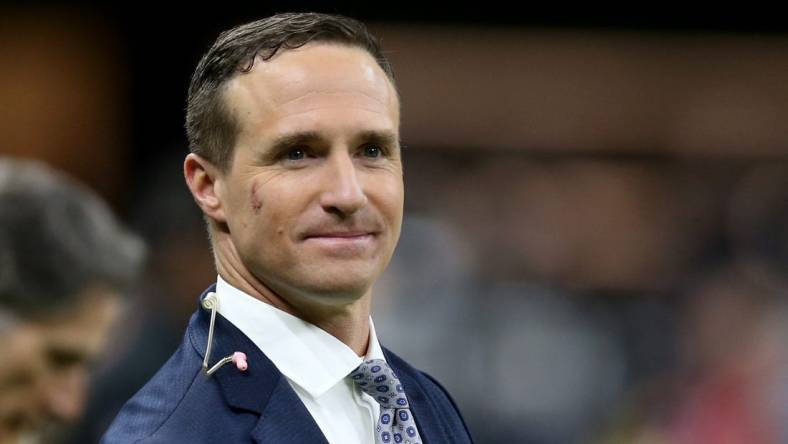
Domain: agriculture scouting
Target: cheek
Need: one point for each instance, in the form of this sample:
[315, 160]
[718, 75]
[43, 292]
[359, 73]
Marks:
[273, 207]
[391, 196]
[255, 201]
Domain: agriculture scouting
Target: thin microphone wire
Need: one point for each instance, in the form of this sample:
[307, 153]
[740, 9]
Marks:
[211, 302]
[225, 360]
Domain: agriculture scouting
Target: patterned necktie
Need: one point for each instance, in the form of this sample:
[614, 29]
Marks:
[396, 423]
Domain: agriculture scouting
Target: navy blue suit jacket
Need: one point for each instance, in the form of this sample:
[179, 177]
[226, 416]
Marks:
[183, 405]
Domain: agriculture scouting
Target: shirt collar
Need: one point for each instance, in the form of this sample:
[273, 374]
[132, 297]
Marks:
[304, 353]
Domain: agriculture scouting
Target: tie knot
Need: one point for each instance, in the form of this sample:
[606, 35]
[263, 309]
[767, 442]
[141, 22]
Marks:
[378, 380]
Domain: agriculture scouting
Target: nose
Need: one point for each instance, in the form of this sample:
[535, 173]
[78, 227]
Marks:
[65, 393]
[342, 192]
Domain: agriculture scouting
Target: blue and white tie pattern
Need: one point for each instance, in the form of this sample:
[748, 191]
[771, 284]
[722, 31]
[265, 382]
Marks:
[395, 424]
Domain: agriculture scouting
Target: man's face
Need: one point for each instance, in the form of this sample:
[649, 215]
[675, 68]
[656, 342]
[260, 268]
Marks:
[45, 363]
[313, 199]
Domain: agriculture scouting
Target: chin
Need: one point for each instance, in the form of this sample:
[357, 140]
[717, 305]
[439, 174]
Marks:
[337, 288]
[338, 276]
[338, 292]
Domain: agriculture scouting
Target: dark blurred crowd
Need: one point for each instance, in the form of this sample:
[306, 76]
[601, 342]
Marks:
[569, 298]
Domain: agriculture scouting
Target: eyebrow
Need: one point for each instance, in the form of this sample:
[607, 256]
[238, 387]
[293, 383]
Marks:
[287, 141]
[387, 138]
[66, 355]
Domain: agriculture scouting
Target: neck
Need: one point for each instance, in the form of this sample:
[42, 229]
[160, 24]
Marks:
[346, 321]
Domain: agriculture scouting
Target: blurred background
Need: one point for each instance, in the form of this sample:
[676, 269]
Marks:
[596, 217]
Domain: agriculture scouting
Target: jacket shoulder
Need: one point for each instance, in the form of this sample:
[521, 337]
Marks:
[148, 410]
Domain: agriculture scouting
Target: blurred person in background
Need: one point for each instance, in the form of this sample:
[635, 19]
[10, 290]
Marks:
[730, 383]
[733, 362]
[164, 214]
[65, 262]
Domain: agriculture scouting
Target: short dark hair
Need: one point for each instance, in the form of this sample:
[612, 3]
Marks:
[57, 238]
[210, 127]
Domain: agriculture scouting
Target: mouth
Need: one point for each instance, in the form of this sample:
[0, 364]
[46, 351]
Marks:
[348, 235]
[341, 239]
[340, 244]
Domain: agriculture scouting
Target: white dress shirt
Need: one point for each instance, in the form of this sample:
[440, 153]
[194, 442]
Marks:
[315, 363]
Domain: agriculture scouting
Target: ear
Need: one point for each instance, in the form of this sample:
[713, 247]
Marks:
[205, 181]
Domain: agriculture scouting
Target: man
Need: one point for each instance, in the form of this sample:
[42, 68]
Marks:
[293, 123]
[64, 261]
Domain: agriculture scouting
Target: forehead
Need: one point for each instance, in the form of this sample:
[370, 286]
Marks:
[84, 324]
[306, 84]
[95, 308]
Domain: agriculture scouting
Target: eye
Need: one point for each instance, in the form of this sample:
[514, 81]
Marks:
[296, 154]
[372, 151]
[17, 378]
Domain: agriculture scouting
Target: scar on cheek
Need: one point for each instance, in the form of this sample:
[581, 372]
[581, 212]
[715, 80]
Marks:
[257, 204]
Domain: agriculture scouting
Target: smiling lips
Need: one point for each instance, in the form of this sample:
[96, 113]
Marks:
[349, 235]
[354, 238]
[346, 241]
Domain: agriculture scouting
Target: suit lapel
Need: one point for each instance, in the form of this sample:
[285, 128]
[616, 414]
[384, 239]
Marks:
[285, 419]
[260, 389]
